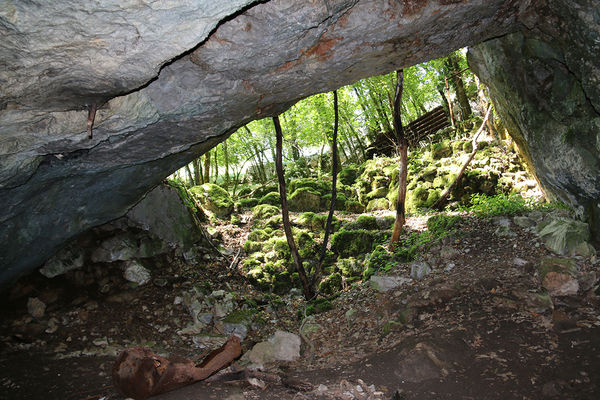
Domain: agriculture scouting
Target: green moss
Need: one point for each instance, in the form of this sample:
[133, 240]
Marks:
[354, 206]
[340, 201]
[316, 306]
[305, 199]
[213, 198]
[350, 266]
[557, 264]
[433, 196]
[248, 203]
[368, 272]
[348, 175]
[251, 247]
[258, 235]
[282, 282]
[352, 243]
[271, 198]
[263, 211]
[441, 149]
[442, 225]
[331, 284]
[308, 183]
[368, 222]
[240, 316]
[378, 204]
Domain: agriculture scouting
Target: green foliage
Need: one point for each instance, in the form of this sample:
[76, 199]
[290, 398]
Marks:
[315, 306]
[490, 206]
[258, 235]
[252, 246]
[441, 225]
[381, 259]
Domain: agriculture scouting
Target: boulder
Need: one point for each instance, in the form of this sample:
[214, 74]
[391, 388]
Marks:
[137, 273]
[214, 199]
[564, 235]
[558, 276]
[420, 269]
[385, 283]
[305, 199]
[35, 307]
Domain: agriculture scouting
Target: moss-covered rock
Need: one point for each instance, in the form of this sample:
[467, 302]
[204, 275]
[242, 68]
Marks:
[264, 211]
[248, 203]
[319, 187]
[353, 243]
[271, 198]
[348, 175]
[378, 204]
[377, 193]
[214, 199]
[305, 199]
[441, 149]
[367, 222]
[340, 201]
[350, 266]
[354, 206]
[251, 246]
[331, 284]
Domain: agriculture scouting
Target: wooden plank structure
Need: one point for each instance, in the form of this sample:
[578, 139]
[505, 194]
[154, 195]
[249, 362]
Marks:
[416, 131]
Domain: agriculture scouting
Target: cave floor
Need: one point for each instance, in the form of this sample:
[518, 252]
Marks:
[474, 330]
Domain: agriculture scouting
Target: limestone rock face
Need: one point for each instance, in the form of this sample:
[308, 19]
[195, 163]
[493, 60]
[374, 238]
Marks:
[546, 86]
[174, 79]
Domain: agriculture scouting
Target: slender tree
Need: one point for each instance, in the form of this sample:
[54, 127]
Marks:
[207, 167]
[403, 151]
[287, 228]
[334, 168]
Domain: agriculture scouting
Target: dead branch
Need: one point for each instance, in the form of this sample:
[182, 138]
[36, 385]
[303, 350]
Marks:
[444, 198]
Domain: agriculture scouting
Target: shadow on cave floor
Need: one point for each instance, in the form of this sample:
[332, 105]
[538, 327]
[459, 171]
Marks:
[477, 330]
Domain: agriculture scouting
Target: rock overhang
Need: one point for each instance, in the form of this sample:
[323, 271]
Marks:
[56, 183]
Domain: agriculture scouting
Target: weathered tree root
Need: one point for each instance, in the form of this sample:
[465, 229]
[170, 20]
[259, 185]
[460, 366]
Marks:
[140, 373]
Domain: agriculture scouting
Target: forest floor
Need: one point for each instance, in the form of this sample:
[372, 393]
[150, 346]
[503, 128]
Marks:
[475, 328]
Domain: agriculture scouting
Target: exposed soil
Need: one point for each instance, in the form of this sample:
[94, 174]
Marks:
[472, 329]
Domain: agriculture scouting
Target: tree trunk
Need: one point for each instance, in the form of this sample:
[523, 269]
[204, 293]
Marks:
[216, 165]
[226, 157]
[198, 178]
[207, 167]
[444, 197]
[189, 174]
[287, 228]
[334, 169]
[403, 150]
[459, 87]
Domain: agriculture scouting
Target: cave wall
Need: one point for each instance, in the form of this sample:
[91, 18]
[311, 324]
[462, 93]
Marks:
[545, 83]
[175, 78]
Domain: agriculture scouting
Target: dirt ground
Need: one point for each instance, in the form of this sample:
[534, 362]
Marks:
[473, 329]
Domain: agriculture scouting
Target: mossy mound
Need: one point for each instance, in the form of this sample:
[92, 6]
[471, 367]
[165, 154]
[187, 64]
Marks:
[348, 175]
[213, 199]
[271, 198]
[353, 243]
[319, 187]
[367, 222]
[305, 199]
[248, 203]
[264, 211]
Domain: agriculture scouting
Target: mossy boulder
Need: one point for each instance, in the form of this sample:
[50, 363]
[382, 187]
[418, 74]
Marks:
[350, 266]
[305, 199]
[264, 211]
[331, 284]
[441, 149]
[214, 199]
[377, 193]
[353, 243]
[417, 198]
[563, 235]
[340, 201]
[367, 222]
[251, 246]
[319, 187]
[271, 198]
[348, 175]
[378, 204]
[248, 203]
[354, 206]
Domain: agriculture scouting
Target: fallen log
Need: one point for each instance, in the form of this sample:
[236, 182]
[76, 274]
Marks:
[140, 373]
